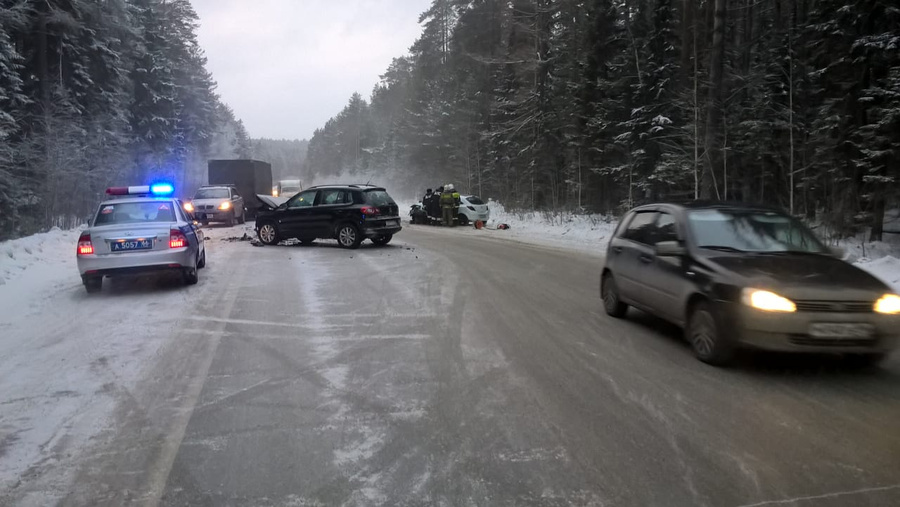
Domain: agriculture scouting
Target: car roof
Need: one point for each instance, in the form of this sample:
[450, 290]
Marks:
[353, 186]
[700, 205]
[137, 199]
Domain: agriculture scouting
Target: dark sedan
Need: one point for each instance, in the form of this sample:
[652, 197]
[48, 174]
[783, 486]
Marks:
[741, 276]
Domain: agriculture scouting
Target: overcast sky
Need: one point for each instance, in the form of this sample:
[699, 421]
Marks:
[287, 66]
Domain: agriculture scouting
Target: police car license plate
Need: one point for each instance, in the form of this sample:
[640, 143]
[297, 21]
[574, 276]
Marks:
[392, 223]
[128, 246]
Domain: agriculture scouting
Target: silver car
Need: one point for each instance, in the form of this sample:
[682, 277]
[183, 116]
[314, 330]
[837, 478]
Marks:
[217, 203]
[134, 235]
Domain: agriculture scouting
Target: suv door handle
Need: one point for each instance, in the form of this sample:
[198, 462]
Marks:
[617, 249]
[646, 259]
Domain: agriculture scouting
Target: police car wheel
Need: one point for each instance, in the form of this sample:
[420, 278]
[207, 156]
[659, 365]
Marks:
[201, 263]
[243, 218]
[92, 284]
[191, 277]
[462, 219]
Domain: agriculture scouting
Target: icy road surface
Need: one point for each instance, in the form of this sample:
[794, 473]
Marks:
[445, 369]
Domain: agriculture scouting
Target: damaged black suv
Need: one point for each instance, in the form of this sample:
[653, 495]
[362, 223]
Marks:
[347, 213]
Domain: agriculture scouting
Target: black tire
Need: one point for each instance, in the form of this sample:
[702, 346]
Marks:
[705, 337]
[348, 236]
[268, 233]
[243, 218]
[307, 241]
[201, 262]
[462, 219]
[382, 240]
[191, 276]
[232, 220]
[609, 292]
[92, 284]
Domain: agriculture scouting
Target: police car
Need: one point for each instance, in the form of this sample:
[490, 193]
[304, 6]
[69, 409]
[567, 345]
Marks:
[137, 230]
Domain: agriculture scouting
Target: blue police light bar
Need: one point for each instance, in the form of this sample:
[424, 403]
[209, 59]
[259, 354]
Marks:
[162, 189]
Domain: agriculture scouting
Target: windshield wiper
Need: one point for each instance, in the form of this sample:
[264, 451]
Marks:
[723, 248]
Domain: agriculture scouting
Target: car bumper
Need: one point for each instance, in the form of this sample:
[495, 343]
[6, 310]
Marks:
[214, 216]
[790, 332]
[381, 230]
[136, 262]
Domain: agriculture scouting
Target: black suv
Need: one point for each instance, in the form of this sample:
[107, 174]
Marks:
[348, 213]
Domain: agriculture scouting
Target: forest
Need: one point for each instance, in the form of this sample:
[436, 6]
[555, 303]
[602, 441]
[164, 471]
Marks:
[599, 105]
[98, 93]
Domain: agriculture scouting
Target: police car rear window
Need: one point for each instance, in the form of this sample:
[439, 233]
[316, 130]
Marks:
[135, 213]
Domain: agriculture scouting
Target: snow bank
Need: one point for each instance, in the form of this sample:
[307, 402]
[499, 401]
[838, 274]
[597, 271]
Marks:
[887, 269]
[55, 246]
[589, 233]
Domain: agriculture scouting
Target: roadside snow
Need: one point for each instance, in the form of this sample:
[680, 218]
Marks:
[887, 269]
[49, 247]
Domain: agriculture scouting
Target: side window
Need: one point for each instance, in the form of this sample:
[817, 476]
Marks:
[234, 193]
[332, 197]
[642, 228]
[302, 200]
[666, 229]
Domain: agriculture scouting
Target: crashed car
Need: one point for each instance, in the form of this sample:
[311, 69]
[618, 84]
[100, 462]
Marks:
[348, 213]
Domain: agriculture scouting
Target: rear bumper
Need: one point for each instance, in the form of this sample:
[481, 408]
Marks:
[790, 332]
[374, 232]
[136, 262]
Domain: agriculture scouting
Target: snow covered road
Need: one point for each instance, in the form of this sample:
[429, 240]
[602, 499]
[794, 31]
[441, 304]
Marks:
[449, 368]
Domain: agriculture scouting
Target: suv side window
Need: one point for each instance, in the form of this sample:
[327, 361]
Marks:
[234, 193]
[666, 229]
[302, 200]
[332, 196]
[642, 228]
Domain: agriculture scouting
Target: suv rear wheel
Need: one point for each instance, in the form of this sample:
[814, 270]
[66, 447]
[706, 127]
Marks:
[348, 236]
[382, 240]
[462, 219]
[268, 234]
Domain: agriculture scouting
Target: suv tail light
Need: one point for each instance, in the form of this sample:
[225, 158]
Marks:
[85, 247]
[177, 239]
[370, 210]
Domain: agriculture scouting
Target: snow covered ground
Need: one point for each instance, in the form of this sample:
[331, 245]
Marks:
[66, 358]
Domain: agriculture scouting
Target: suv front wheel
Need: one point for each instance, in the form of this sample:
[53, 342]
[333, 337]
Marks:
[268, 234]
[348, 236]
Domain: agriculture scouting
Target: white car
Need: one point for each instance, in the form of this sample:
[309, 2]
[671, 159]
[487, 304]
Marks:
[472, 209]
[143, 230]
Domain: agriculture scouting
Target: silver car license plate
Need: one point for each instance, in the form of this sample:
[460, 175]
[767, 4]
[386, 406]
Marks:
[131, 245]
[840, 330]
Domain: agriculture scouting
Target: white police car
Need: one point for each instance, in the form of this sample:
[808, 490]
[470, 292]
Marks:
[140, 230]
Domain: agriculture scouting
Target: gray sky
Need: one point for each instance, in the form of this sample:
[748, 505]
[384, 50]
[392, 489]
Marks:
[287, 66]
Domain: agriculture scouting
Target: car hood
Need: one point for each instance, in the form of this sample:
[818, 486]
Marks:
[269, 202]
[802, 276]
[209, 202]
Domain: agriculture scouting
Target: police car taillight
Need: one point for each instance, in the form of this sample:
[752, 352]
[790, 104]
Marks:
[85, 247]
[177, 239]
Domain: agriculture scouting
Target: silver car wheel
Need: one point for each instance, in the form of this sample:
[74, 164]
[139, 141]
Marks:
[702, 330]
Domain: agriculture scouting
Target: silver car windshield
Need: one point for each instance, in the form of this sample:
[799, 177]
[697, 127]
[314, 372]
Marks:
[751, 231]
[212, 193]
